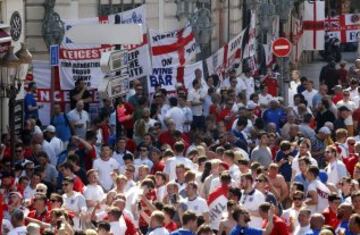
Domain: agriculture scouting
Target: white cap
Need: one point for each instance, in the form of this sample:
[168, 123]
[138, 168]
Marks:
[50, 128]
[251, 105]
[325, 130]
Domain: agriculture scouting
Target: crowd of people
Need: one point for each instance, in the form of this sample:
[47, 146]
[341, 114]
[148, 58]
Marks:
[224, 157]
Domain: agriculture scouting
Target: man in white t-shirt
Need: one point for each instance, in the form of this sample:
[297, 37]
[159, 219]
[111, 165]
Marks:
[194, 202]
[105, 166]
[251, 198]
[79, 119]
[265, 97]
[309, 93]
[73, 201]
[291, 215]
[335, 168]
[175, 113]
[304, 222]
[157, 223]
[196, 98]
[249, 82]
[93, 192]
[317, 193]
[18, 223]
[55, 142]
[171, 163]
[234, 171]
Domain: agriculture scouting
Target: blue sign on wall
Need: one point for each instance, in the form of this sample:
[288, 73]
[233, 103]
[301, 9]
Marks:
[54, 55]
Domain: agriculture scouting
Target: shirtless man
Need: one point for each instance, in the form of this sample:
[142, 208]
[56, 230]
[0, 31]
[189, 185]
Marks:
[277, 183]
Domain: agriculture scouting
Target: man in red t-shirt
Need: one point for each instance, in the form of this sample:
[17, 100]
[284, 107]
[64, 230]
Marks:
[66, 170]
[280, 227]
[351, 161]
[146, 198]
[159, 164]
[330, 212]
[40, 211]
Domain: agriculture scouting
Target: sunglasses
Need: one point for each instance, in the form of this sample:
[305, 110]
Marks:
[18, 151]
[65, 184]
[53, 200]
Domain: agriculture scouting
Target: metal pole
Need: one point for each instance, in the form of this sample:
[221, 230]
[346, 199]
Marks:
[285, 79]
[12, 100]
[52, 90]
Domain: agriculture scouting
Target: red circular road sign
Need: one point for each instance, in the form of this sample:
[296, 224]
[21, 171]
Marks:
[281, 47]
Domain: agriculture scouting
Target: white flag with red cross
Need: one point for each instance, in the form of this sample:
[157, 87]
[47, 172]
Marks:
[314, 25]
[296, 39]
[175, 48]
[217, 202]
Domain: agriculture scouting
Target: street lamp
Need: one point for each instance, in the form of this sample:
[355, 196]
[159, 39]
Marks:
[13, 70]
[10, 88]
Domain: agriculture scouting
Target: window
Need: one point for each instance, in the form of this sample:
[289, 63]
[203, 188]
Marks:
[107, 9]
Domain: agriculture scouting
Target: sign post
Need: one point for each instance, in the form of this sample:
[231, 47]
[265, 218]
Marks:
[281, 48]
[54, 61]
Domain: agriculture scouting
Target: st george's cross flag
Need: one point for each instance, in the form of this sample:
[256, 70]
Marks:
[175, 48]
[217, 201]
[314, 25]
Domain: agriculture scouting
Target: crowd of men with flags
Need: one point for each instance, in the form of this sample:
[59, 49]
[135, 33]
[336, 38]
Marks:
[185, 152]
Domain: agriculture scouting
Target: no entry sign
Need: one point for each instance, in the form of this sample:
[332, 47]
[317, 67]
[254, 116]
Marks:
[281, 47]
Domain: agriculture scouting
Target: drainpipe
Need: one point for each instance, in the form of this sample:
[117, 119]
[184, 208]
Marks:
[229, 22]
[74, 9]
[220, 7]
[161, 15]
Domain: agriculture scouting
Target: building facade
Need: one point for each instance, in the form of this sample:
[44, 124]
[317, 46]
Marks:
[162, 15]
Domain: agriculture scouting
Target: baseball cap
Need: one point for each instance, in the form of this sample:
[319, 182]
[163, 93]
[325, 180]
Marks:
[343, 108]
[325, 130]
[337, 87]
[50, 128]
[16, 194]
[251, 106]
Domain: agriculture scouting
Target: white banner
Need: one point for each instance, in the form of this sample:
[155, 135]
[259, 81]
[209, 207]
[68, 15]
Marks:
[216, 63]
[82, 62]
[250, 48]
[168, 77]
[164, 77]
[189, 75]
[234, 50]
[139, 62]
[314, 25]
[175, 48]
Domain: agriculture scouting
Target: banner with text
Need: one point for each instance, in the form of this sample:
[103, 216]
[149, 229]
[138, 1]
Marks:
[175, 48]
[344, 27]
[82, 62]
[42, 75]
[168, 77]
[227, 56]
